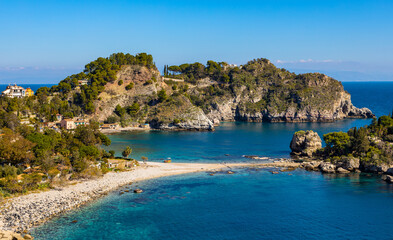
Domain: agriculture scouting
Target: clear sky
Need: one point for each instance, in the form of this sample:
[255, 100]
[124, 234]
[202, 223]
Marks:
[44, 41]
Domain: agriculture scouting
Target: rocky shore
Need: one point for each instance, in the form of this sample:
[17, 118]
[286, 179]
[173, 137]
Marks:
[9, 235]
[21, 213]
[305, 145]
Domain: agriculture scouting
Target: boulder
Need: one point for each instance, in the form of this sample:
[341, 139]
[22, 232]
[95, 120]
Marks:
[27, 236]
[342, 170]
[375, 167]
[327, 167]
[388, 178]
[348, 163]
[8, 235]
[138, 190]
[311, 166]
[389, 171]
[305, 143]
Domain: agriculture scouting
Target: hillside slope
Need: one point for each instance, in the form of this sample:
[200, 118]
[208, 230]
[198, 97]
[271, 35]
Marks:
[130, 90]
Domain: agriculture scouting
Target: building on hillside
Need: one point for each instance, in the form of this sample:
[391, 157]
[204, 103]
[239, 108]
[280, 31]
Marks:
[29, 92]
[80, 122]
[109, 126]
[14, 91]
[67, 124]
[83, 82]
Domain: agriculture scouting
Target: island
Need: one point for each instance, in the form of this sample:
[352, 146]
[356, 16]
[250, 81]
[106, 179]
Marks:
[365, 149]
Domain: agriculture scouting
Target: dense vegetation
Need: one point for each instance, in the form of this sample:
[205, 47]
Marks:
[276, 89]
[49, 154]
[372, 144]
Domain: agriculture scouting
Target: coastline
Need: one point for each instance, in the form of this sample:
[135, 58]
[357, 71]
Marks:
[21, 213]
[124, 129]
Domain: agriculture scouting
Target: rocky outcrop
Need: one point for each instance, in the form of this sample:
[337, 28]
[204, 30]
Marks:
[196, 121]
[8, 235]
[311, 166]
[342, 170]
[321, 99]
[327, 167]
[348, 163]
[374, 167]
[305, 143]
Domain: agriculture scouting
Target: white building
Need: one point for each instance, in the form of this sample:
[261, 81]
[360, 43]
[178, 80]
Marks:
[14, 91]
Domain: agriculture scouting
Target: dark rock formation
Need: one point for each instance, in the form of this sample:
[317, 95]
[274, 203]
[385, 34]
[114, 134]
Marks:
[327, 167]
[305, 143]
[348, 163]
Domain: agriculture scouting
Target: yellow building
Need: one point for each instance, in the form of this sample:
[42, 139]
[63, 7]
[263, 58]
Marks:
[29, 92]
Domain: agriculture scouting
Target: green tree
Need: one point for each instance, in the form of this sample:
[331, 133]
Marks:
[359, 140]
[133, 109]
[112, 153]
[337, 143]
[162, 95]
[126, 152]
[120, 111]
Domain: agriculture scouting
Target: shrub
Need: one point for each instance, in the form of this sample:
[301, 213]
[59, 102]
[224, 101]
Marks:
[120, 82]
[148, 82]
[162, 95]
[130, 86]
[8, 171]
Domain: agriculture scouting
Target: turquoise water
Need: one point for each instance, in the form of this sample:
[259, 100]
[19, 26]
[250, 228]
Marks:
[238, 139]
[235, 139]
[248, 204]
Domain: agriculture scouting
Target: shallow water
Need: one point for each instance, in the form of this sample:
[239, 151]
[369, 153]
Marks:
[246, 205]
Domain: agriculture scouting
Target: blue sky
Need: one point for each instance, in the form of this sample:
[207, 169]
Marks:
[44, 41]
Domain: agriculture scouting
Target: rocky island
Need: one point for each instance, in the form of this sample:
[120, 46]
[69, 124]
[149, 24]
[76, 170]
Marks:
[366, 149]
[130, 90]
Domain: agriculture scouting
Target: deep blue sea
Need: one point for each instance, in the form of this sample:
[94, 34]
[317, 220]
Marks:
[250, 204]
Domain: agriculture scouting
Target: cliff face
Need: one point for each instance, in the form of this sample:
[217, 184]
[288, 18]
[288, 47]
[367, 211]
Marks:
[257, 92]
[310, 98]
[340, 107]
[176, 113]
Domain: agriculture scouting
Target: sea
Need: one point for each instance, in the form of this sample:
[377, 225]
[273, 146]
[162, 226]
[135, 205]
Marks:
[250, 204]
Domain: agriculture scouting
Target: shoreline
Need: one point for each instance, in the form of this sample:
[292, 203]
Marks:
[21, 213]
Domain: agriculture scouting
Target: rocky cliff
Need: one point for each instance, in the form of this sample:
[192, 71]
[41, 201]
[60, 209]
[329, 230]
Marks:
[176, 112]
[132, 91]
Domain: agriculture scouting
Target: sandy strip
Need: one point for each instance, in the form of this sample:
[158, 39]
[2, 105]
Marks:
[23, 212]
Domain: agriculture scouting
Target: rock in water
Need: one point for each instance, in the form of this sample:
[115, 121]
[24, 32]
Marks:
[138, 190]
[349, 163]
[342, 170]
[305, 143]
[327, 167]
